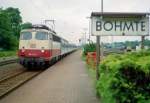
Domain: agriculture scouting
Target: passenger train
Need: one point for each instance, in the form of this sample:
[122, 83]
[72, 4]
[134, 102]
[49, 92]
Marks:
[40, 46]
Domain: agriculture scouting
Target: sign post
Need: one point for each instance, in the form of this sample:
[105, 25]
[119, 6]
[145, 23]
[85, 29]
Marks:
[98, 48]
[97, 56]
[142, 42]
[117, 24]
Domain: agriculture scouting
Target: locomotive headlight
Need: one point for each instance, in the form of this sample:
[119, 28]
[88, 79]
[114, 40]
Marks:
[23, 49]
[42, 50]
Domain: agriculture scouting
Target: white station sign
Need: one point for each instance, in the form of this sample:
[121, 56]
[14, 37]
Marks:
[118, 26]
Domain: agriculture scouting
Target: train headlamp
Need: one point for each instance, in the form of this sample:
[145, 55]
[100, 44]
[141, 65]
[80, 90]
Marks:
[23, 49]
[42, 50]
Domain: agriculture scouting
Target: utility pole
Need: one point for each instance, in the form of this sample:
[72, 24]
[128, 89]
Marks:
[85, 29]
[89, 32]
[98, 48]
[89, 29]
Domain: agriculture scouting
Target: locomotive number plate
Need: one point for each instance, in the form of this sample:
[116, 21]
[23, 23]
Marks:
[33, 46]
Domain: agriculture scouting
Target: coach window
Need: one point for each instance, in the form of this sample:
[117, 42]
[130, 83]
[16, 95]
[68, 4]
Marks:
[26, 36]
[41, 36]
[56, 38]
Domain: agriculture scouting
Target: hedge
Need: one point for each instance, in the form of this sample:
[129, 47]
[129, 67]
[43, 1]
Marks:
[125, 78]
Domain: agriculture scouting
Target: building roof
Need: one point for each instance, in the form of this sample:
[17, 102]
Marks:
[120, 14]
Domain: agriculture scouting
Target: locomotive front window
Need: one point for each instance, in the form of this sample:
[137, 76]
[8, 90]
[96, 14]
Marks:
[26, 36]
[41, 36]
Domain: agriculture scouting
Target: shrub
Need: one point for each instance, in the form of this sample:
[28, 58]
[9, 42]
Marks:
[89, 48]
[125, 78]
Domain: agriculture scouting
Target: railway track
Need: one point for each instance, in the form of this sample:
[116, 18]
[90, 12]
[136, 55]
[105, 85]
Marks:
[5, 62]
[12, 82]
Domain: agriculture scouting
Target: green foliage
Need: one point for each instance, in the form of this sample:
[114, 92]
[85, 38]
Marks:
[16, 20]
[125, 78]
[7, 53]
[7, 39]
[26, 25]
[89, 48]
[147, 42]
[10, 21]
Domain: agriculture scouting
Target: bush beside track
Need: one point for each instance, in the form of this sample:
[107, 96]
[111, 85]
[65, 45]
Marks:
[7, 53]
[125, 78]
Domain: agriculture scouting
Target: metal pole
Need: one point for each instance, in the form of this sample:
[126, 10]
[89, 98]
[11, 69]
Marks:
[89, 31]
[142, 42]
[97, 56]
[85, 29]
[85, 37]
[98, 49]
[101, 44]
[102, 6]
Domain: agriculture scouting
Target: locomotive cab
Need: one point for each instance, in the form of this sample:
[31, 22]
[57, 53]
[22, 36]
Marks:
[35, 47]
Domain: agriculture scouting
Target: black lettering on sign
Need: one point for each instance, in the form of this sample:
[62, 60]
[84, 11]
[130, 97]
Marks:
[121, 25]
[136, 25]
[143, 26]
[98, 26]
[118, 25]
[108, 26]
[128, 26]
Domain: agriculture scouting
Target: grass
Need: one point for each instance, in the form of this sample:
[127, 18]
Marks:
[8, 53]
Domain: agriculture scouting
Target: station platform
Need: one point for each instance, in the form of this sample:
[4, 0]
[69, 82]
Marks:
[67, 81]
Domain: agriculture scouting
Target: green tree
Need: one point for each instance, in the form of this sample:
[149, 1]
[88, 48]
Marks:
[26, 25]
[147, 42]
[7, 39]
[16, 20]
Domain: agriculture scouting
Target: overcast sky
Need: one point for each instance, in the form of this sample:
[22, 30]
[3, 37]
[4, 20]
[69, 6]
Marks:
[70, 15]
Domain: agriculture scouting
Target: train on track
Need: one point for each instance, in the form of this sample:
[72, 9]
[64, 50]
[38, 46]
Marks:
[39, 46]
